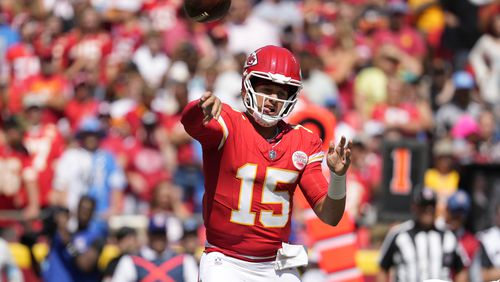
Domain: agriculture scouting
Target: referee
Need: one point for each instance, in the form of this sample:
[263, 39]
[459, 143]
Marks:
[416, 250]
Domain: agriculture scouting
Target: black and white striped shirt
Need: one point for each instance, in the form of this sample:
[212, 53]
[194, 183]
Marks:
[489, 240]
[417, 254]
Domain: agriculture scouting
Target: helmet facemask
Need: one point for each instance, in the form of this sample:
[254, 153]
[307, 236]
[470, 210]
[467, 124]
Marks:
[250, 97]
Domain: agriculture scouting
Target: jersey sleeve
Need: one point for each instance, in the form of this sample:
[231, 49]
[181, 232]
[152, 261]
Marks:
[485, 259]
[312, 182]
[211, 135]
[460, 260]
[388, 250]
[190, 268]
[125, 271]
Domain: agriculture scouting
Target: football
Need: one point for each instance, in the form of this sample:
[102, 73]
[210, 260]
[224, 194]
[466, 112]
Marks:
[206, 10]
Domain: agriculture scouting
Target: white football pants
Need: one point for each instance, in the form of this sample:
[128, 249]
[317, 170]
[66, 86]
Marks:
[217, 267]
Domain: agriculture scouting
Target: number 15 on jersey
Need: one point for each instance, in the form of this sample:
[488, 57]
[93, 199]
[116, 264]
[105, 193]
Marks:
[244, 215]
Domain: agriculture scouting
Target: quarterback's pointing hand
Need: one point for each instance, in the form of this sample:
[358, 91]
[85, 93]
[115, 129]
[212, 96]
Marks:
[211, 106]
[339, 158]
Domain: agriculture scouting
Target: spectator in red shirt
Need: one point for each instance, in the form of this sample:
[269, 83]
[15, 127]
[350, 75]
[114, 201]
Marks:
[146, 167]
[360, 180]
[399, 32]
[18, 186]
[93, 45]
[48, 43]
[21, 56]
[160, 14]
[52, 88]
[127, 35]
[45, 144]
[81, 105]
[399, 116]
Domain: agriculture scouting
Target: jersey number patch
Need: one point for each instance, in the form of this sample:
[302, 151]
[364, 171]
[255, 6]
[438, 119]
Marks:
[243, 215]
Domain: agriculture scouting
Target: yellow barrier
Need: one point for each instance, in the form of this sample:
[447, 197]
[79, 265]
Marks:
[366, 260]
[108, 253]
[21, 255]
[40, 251]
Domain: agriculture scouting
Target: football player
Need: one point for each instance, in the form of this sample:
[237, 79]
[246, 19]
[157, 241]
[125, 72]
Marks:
[253, 162]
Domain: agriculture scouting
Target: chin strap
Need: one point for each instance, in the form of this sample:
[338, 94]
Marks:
[262, 121]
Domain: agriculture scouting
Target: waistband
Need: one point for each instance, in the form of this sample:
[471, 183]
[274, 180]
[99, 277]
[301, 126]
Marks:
[212, 248]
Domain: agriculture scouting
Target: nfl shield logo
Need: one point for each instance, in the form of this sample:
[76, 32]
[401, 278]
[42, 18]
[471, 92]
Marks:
[272, 154]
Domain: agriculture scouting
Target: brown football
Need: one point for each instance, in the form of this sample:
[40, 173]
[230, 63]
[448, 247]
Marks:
[206, 10]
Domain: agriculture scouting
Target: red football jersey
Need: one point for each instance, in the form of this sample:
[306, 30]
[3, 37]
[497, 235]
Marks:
[186, 154]
[76, 111]
[250, 182]
[161, 13]
[126, 39]
[23, 61]
[148, 163]
[91, 47]
[45, 144]
[16, 169]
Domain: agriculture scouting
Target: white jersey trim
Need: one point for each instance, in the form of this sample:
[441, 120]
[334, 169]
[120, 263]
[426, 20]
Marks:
[318, 157]
[225, 132]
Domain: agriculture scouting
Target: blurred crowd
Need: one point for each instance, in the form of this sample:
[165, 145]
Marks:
[92, 91]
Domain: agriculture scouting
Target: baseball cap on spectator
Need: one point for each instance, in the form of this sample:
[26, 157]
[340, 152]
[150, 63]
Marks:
[373, 128]
[459, 202]
[443, 147]
[424, 197]
[190, 227]
[371, 18]
[124, 232]
[90, 125]
[149, 119]
[464, 127]
[83, 241]
[131, 6]
[179, 72]
[397, 7]
[81, 79]
[158, 224]
[372, 14]
[12, 122]
[463, 80]
[104, 109]
[33, 101]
